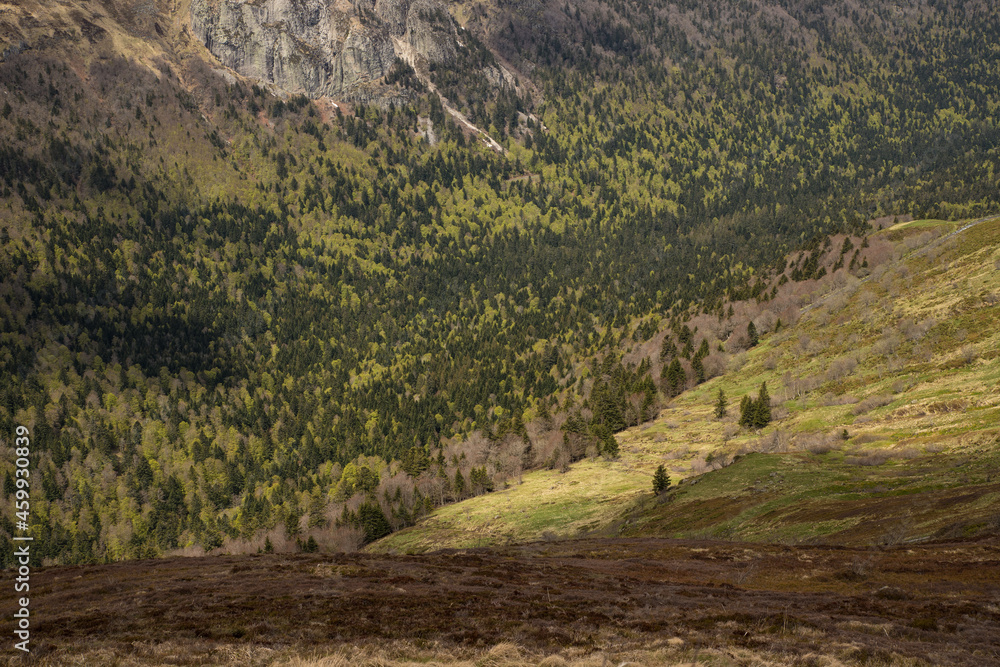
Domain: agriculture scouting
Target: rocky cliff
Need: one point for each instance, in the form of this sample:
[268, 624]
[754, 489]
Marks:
[325, 47]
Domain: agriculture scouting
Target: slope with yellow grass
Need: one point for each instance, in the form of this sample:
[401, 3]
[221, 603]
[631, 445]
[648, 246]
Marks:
[886, 430]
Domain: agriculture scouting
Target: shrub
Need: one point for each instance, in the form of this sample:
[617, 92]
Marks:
[829, 399]
[902, 384]
[818, 443]
[969, 354]
[870, 458]
[872, 402]
[771, 362]
[840, 368]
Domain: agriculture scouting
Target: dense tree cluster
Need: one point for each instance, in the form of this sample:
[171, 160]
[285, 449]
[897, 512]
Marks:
[755, 412]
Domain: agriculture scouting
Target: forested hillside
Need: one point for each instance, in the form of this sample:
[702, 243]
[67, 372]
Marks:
[217, 299]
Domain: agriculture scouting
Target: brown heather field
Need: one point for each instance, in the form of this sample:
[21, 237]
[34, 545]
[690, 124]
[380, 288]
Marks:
[581, 602]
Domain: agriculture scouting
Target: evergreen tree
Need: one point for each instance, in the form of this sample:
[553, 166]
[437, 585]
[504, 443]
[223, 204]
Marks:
[762, 408]
[459, 485]
[720, 404]
[674, 378]
[609, 445]
[372, 521]
[292, 522]
[661, 482]
[668, 350]
[747, 408]
[752, 336]
[698, 369]
[480, 480]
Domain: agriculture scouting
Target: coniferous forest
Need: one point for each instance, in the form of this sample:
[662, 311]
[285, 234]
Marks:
[228, 313]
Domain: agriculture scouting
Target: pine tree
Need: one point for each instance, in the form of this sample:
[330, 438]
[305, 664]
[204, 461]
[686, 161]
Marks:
[544, 414]
[752, 334]
[669, 349]
[372, 521]
[762, 408]
[609, 445]
[459, 485]
[720, 404]
[292, 522]
[698, 369]
[747, 411]
[661, 482]
[674, 378]
[480, 480]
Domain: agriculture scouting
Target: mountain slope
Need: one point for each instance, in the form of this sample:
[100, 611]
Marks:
[886, 430]
[234, 316]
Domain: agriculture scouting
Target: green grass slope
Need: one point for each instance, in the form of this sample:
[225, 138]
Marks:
[886, 429]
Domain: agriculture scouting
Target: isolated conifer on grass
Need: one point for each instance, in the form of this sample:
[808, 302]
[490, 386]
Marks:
[721, 402]
[661, 482]
[752, 334]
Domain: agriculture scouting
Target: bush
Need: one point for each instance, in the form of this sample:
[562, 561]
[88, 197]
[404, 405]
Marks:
[969, 354]
[840, 368]
[870, 458]
[872, 402]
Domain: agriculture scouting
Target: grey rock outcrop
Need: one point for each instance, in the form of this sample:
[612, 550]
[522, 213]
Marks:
[323, 47]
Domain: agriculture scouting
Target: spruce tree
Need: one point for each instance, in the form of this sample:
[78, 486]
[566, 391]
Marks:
[752, 334]
[675, 378]
[661, 482]
[747, 409]
[698, 369]
[720, 404]
[372, 521]
[609, 445]
[762, 408]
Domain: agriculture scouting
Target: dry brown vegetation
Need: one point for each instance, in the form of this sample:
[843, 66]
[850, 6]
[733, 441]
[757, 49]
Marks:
[589, 602]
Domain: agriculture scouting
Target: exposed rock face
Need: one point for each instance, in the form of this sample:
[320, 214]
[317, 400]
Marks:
[323, 47]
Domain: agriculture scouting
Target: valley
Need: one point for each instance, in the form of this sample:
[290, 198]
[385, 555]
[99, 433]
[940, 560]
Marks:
[587, 333]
